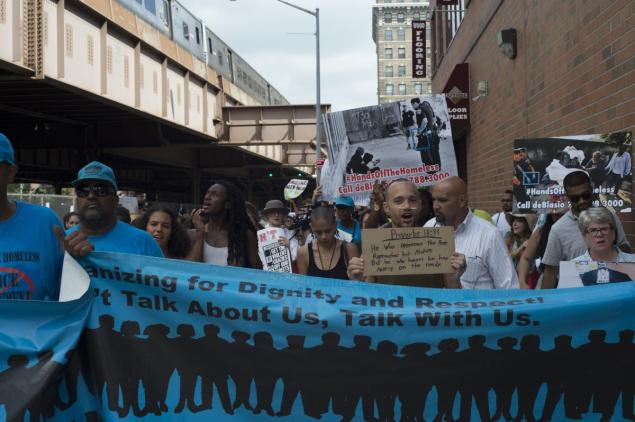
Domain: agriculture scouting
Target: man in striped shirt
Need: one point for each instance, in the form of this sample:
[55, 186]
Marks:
[488, 263]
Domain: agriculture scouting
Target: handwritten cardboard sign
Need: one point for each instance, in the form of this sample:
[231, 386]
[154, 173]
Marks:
[401, 251]
[274, 256]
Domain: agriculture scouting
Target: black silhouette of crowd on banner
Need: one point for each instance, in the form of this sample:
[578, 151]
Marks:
[327, 378]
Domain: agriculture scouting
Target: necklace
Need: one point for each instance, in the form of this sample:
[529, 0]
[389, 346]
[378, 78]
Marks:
[330, 260]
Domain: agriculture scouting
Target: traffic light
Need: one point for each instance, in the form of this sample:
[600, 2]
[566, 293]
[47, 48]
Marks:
[270, 174]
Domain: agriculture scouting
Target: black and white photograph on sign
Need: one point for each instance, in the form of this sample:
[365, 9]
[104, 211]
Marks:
[540, 165]
[591, 273]
[407, 139]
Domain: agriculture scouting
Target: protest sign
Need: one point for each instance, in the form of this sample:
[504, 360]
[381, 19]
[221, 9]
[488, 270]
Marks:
[591, 273]
[295, 188]
[274, 256]
[175, 340]
[414, 250]
[407, 139]
[540, 165]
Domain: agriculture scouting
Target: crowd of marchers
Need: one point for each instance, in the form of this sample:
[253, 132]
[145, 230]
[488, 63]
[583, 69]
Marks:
[503, 251]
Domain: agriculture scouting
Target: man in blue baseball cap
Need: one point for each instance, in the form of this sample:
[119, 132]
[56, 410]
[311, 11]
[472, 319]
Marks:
[31, 257]
[99, 229]
[344, 208]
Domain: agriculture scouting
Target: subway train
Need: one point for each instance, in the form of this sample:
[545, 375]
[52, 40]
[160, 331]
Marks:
[178, 23]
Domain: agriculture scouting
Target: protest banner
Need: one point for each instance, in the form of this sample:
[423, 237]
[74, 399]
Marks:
[176, 340]
[590, 273]
[540, 166]
[407, 139]
[414, 250]
[274, 256]
[294, 188]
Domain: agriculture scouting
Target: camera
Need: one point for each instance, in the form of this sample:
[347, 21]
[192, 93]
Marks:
[299, 222]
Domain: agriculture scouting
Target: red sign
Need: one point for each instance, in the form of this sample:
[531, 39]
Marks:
[319, 163]
[457, 96]
[418, 49]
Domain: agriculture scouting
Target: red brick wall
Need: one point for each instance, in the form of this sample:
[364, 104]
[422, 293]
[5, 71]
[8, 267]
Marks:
[574, 73]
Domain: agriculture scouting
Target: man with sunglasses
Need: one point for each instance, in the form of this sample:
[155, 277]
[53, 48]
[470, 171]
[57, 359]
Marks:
[30, 255]
[565, 240]
[99, 228]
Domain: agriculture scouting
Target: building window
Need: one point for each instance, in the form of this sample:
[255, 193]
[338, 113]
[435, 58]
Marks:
[402, 89]
[164, 13]
[387, 17]
[388, 35]
[389, 53]
[401, 53]
[401, 34]
[389, 89]
[418, 88]
[401, 18]
[401, 71]
[388, 71]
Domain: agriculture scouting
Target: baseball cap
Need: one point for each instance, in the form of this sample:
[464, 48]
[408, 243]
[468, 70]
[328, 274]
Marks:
[96, 171]
[345, 201]
[6, 150]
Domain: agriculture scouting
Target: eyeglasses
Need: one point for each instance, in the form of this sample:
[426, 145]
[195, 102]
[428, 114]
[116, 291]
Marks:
[599, 231]
[99, 190]
[576, 198]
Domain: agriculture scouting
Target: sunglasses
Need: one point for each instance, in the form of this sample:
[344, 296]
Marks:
[576, 198]
[99, 190]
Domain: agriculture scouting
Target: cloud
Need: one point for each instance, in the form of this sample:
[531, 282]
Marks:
[277, 41]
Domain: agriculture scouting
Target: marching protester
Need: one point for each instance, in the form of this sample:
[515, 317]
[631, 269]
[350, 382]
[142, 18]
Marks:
[402, 205]
[344, 209]
[332, 253]
[530, 266]
[70, 219]
[488, 263]
[500, 218]
[224, 235]
[275, 215]
[522, 227]
[161, 222]
[426, 206]
[123, 214]
[99, 228]
[565, 240]
[28, 246]
[597, 226]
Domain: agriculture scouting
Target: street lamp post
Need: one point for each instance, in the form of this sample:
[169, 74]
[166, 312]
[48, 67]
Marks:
[318, 108]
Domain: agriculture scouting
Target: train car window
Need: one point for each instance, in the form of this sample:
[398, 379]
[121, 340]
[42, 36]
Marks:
[209, 45]
[186, 31]
[198, 35]
[164, 13]
[151, 6]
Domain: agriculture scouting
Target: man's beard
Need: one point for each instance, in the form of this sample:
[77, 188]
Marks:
[94, 218]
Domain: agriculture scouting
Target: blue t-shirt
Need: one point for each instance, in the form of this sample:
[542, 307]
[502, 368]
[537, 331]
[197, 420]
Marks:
[356, 231]
[125, 239]
[31, 256]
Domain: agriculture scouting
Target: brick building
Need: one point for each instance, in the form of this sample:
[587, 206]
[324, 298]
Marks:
[574, 73]
[392, 33]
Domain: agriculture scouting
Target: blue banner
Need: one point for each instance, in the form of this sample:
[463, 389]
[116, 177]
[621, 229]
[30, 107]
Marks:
[174, 340]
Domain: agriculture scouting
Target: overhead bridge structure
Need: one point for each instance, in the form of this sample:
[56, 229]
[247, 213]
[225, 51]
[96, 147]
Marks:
[88, 79]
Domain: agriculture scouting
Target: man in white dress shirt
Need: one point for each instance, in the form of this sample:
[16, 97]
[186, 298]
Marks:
[488, 263]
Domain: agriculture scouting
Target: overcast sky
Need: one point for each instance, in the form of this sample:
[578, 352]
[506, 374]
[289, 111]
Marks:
[264, 32]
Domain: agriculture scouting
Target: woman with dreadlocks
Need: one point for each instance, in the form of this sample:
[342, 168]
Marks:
[224, 233]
